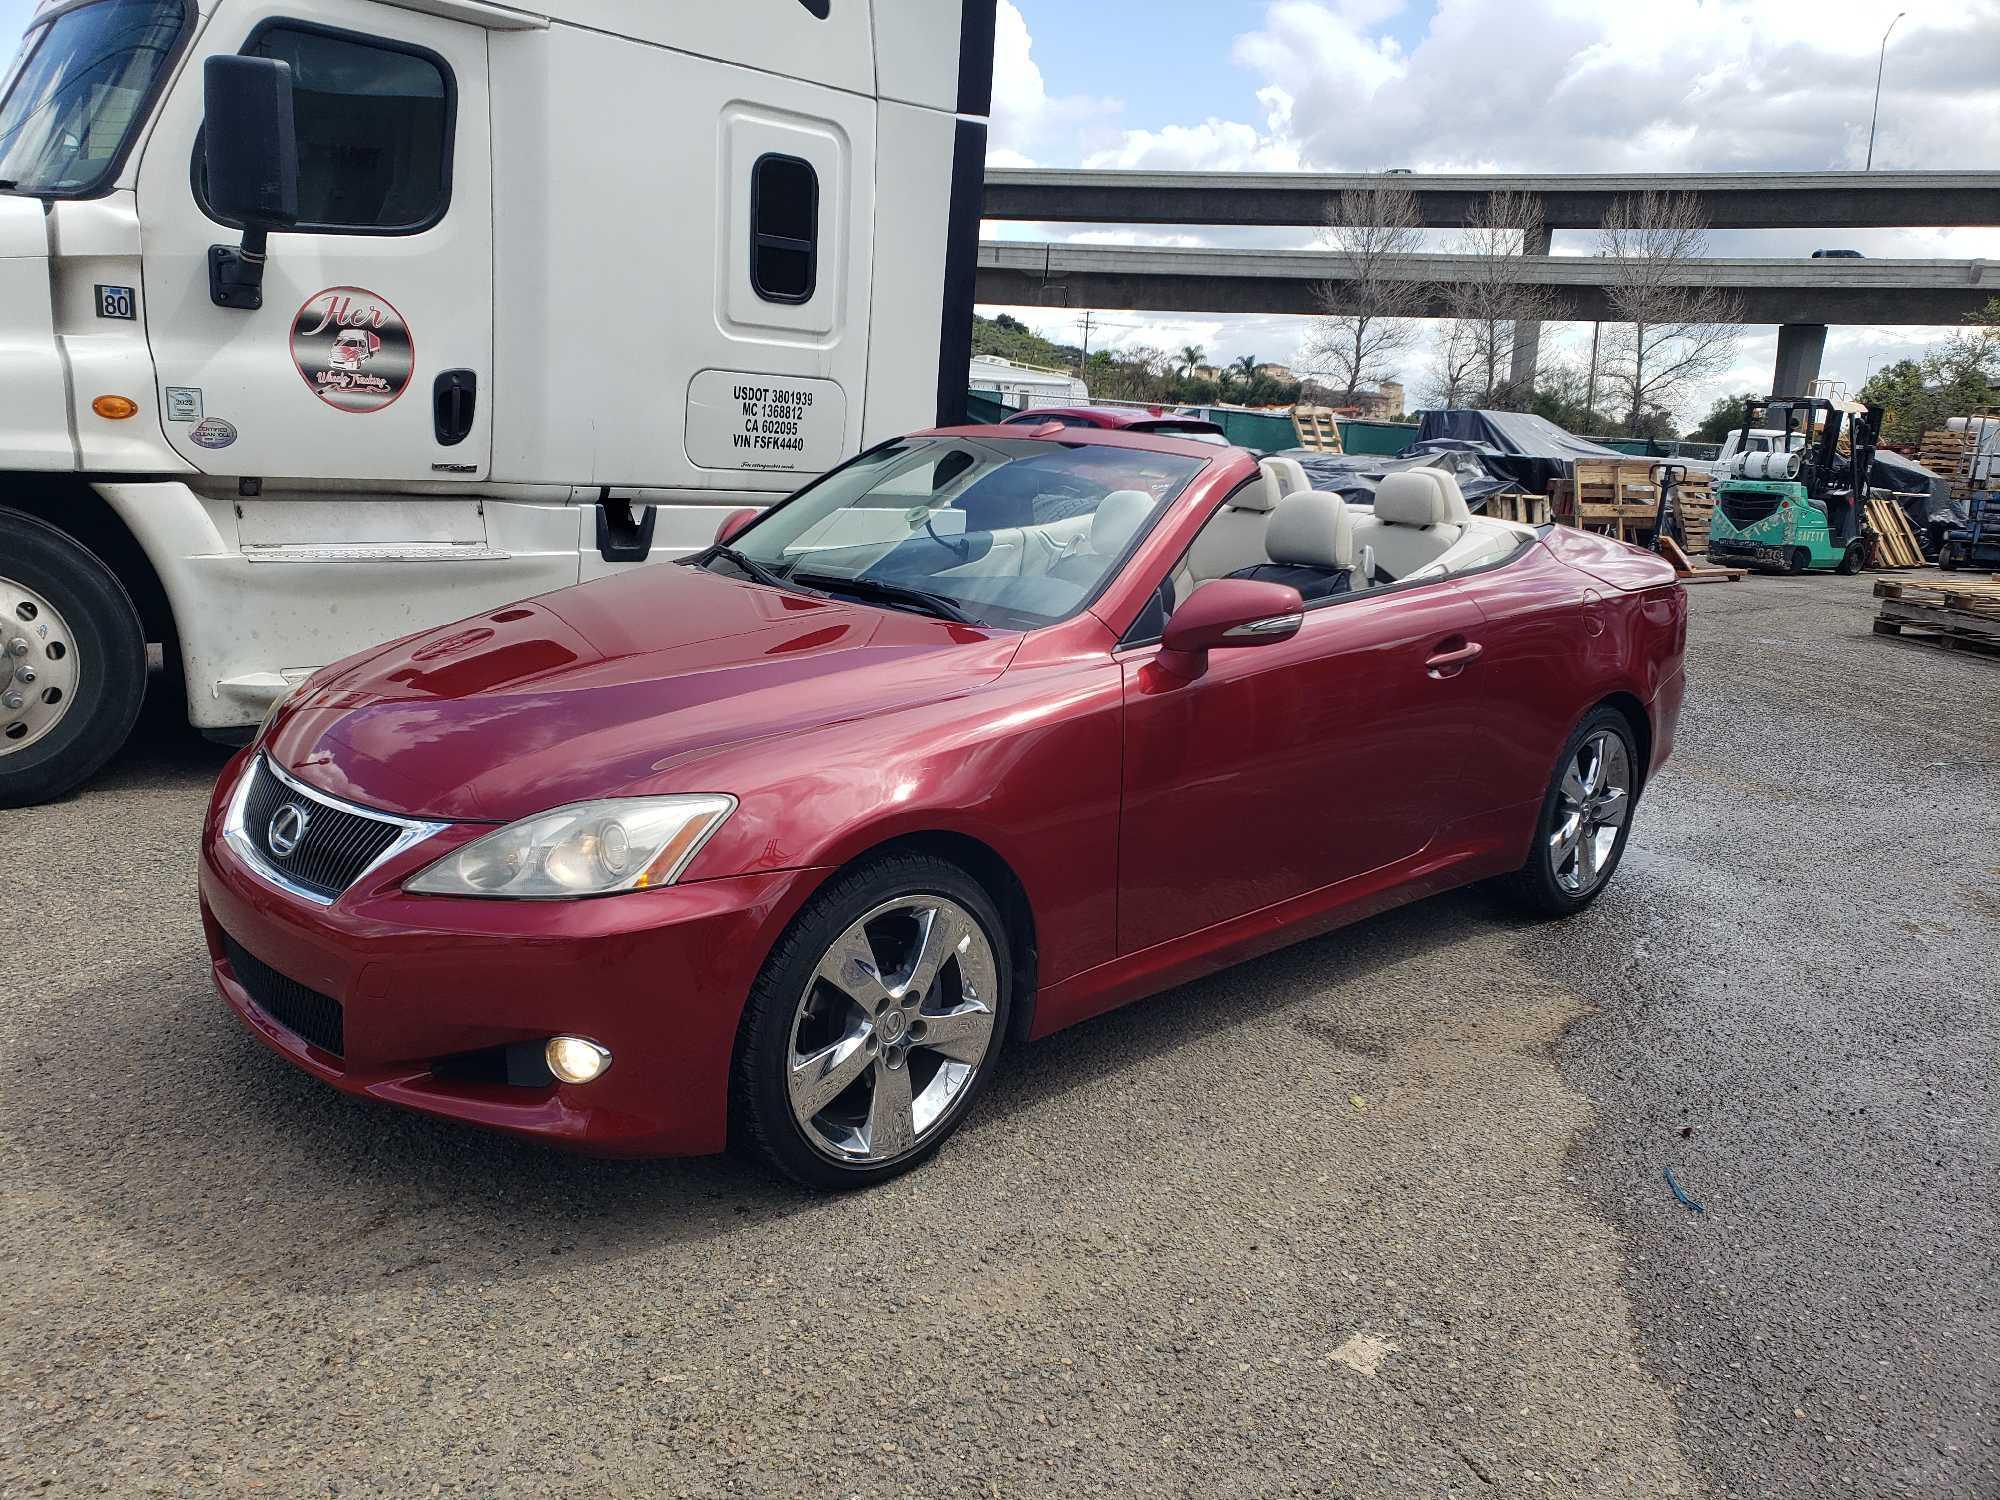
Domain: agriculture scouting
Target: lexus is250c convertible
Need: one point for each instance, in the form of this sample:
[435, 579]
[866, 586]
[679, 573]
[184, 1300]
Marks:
[981, 734]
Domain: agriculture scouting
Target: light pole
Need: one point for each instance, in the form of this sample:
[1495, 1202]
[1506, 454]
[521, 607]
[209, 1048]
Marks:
[1875, 113]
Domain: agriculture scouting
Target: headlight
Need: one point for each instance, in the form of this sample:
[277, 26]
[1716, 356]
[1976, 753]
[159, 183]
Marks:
[586, 849]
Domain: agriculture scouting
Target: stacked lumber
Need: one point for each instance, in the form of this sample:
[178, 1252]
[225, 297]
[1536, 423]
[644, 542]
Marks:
[1957, 616]
[1947, 454]
[1614, 496]
[1529, 510]
[1895, 540]
[1318, 428]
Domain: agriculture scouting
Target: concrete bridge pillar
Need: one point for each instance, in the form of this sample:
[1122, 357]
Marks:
[1527, 334]
[1800, 346]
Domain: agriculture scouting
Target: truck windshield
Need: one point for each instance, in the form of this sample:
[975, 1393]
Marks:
[80, 84]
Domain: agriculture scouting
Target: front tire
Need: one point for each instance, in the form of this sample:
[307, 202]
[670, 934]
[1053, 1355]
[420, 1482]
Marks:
[1852, 560]
[72, 662]
[873, 1025]
[1585, 819]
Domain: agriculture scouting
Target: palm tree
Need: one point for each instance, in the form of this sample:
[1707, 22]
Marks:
[1191, 355]
[1245, 368]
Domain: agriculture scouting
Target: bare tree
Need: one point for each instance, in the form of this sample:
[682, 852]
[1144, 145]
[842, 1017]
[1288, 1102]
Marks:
[1490, 306]
[1673, 325]
[1453, 376]
[1369, 326]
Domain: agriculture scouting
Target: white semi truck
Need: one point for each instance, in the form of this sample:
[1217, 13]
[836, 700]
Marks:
[322, 321]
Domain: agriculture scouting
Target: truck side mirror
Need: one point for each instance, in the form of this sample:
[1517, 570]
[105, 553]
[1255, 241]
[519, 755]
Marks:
[252, 156]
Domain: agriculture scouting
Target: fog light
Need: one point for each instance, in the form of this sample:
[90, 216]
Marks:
[574, 1059]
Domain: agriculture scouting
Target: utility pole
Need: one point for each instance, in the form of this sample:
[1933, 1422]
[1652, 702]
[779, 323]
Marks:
[1086, 345]
[1875, 113]
[1590, 386]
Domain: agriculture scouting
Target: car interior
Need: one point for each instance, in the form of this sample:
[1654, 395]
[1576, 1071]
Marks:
[1035, 539]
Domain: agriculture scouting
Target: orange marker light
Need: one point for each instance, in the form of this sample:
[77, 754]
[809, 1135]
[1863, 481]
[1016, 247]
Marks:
[115, 408]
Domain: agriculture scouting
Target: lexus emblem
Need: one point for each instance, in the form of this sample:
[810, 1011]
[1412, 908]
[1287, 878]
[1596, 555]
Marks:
[288, 826]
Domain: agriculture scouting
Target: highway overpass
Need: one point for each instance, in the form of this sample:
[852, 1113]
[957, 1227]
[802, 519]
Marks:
[1731, 200]
[1802, 296]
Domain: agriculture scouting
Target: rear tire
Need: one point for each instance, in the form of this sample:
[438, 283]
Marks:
[1576, 847]
[67, 620]
[1797, 561]
[1947, 558]
[874, 1024]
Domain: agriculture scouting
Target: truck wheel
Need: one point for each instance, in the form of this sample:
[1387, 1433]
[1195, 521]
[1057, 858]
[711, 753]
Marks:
[72, 662]
[1797, 560]
[1852, 559]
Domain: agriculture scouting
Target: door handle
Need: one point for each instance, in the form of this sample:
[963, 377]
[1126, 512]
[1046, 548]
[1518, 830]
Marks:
[1450, 663]
[454, 398]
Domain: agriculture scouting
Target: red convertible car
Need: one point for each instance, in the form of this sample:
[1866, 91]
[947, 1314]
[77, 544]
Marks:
[975, 737]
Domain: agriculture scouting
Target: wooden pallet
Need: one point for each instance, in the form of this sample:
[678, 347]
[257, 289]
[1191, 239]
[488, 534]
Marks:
[1695, 497]
[1961, 615]
[1896, 543]
[1614, 496]
[1948, 455]
[1529, 510]
[1973, 597]
[1685, 569]
[1965, 643]
[1318, 428]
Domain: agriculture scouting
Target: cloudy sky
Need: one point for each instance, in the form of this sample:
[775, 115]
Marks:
[1490, 85]
[1498, 85]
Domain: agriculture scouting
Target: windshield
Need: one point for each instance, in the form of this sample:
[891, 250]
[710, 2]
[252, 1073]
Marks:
[1007, 532]
[80, 84]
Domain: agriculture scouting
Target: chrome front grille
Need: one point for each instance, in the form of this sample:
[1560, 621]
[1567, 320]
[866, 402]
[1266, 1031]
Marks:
[313, 845]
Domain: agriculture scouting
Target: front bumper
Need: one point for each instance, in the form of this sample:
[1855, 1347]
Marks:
[1724, 549]
[658, 977]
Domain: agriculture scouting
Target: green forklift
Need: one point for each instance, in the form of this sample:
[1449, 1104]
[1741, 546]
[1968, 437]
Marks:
[1787, 500]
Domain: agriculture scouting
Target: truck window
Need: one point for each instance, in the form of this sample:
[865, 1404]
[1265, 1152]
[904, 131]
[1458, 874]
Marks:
[784, 228]
[82, 83]
[374, 123]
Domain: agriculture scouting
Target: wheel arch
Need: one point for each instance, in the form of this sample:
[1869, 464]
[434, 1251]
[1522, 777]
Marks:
[74, 507]
[1639, 721]
[998, 878]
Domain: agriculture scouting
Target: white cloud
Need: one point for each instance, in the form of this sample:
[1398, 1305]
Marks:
[1024, 112]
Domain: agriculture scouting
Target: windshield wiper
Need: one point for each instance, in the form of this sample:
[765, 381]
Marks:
[941, 605]
[749, 566]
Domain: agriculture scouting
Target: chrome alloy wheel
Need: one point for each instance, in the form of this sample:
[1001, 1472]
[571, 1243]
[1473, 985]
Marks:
[38, 666]
[895, 1022]
[1591, 807]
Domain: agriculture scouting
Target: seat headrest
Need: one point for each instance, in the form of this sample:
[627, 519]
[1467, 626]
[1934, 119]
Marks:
[1420, 497]
[1279, 477]
[1119, 516]
[1310, 529]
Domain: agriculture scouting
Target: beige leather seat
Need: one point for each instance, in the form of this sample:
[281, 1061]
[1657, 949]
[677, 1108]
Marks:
[1310, 539]
[1233, 539]
[1419, 514]
[1118, 518]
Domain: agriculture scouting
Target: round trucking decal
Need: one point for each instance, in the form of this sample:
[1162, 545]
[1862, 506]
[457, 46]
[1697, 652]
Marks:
[352, 348]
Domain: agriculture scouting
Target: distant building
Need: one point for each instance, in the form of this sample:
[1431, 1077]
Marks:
[1205, 372]
[1383, 404]
[1277, 372]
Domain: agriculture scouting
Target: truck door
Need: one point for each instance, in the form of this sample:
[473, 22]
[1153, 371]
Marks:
[371, 357]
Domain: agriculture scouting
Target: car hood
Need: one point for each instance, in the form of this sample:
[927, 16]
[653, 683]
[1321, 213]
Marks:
[602, 689]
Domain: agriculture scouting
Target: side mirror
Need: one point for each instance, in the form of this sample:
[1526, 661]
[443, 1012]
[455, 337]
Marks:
[733, 525]
[252, 156]
[1229, 612]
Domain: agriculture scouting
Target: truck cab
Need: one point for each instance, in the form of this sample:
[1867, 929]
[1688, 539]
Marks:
[324, 321]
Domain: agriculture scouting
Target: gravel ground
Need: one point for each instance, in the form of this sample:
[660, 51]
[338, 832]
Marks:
[1381, 1215]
